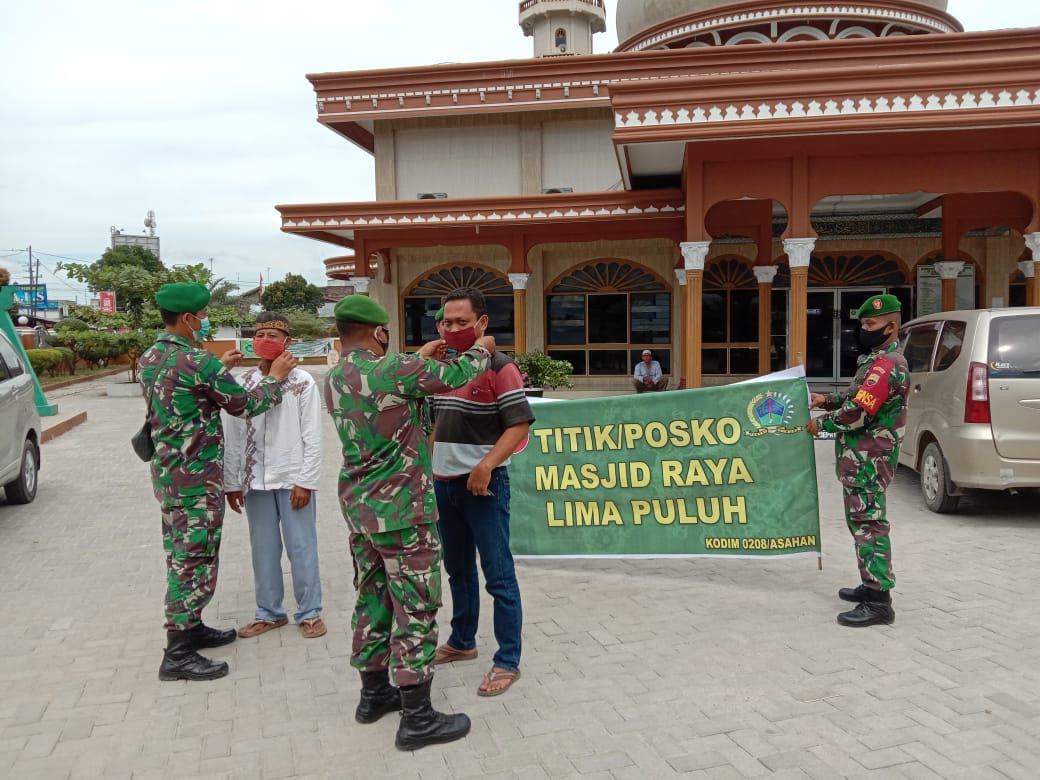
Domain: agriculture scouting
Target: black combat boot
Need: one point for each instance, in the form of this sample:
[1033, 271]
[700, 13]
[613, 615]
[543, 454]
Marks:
[856, 595]
[204, 636]
[422, 725]
[181, 662]
[378, 697]
[875, 610]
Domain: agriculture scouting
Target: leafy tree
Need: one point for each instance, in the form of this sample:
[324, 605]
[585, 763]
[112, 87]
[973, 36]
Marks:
[134, 284]
[229, 316]
[306, 326]
[98, 347]
[134, 344]
[294, 292]
[129, 255]
[67, 334]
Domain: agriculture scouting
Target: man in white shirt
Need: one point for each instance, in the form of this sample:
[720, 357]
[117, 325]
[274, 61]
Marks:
[647, 375]
[272, 463]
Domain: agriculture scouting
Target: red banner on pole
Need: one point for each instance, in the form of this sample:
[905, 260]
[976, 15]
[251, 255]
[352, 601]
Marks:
[108, 302]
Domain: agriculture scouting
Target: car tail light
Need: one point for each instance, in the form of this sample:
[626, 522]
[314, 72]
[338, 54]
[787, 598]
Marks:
[976, 398]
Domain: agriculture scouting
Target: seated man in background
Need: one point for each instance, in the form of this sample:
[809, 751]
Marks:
[647, 375]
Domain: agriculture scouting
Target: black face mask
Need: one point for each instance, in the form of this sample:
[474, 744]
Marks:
[872, 339]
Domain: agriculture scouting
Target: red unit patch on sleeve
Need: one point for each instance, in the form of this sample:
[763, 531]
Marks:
[874, 390]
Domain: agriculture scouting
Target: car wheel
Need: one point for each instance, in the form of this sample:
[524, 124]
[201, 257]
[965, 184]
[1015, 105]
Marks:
[22, 489]
[935, 481]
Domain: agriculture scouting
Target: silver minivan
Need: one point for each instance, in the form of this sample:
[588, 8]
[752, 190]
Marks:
[19, 427]
[973, 414]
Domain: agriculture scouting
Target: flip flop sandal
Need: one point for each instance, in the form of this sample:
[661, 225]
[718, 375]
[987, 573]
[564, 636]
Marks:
[258, 627]
[312, 628]
[447, 654]
[494, 676]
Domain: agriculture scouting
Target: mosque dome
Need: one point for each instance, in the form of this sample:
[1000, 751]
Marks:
[643, 24]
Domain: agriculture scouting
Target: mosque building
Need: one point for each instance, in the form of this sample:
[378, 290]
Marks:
[725, 188]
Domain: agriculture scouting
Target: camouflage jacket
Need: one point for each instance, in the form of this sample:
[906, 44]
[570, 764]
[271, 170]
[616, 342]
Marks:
[870, 416]
[379, 408]
[191, 387]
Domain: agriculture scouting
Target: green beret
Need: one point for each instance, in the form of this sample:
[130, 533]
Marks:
[361, 308]
[439, 315]
[879, 304]
[181, 297]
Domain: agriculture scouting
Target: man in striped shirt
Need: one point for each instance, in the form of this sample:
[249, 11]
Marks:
[477, 428]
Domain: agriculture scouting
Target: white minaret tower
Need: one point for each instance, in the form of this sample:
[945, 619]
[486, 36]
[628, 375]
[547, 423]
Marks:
[562, 27]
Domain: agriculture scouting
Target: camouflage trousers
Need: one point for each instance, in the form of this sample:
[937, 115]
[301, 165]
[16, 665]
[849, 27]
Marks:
[865, 515]
[191, 539]
[397, 576]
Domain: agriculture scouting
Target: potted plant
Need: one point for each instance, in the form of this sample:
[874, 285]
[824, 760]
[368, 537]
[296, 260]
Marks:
[541, 371]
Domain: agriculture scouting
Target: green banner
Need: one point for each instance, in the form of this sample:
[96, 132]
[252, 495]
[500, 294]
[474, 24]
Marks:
[714, 471]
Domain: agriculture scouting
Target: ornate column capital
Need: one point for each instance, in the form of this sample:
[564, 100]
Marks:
[1033, 242]
[694, 254]
[949, 269]
[360, 284]
[799, 251]
[680, 274]
[1028, 268]
[764, 273]
[519, 281]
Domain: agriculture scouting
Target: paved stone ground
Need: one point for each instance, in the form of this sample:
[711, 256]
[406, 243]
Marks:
[638, 669]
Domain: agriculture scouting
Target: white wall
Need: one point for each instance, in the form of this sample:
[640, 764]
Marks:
[579, 154]
[461, 161]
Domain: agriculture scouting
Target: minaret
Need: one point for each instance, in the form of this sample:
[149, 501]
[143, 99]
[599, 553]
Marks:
[562, 27]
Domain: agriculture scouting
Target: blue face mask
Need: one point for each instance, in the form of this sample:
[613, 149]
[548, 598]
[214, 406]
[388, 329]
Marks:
[204, 329]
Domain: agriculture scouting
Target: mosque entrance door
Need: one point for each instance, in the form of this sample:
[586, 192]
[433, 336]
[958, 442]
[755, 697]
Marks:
[833, 345]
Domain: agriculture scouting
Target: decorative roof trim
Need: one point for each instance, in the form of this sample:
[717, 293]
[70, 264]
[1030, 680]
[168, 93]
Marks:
[767, 15]
[404, 217]
[810, 108]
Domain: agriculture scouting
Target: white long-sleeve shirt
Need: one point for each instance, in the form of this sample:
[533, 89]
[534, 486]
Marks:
[279, 448]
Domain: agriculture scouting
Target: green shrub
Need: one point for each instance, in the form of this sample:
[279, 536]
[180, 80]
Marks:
[68, 360]
[540, 370]
[44, 360]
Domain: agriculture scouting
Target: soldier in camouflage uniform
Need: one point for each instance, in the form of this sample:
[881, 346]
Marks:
[186, 388]
[377, 401]
[869, 419]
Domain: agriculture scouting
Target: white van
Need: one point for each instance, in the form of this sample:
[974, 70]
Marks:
[19, 426]
[973, 413]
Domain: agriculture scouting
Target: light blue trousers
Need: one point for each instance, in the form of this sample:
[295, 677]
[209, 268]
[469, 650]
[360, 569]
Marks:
[272, 520]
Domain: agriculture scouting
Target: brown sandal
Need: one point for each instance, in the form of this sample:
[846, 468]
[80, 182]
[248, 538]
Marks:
[312, 628]
[258, 627]
[446, 654]
[510, 676]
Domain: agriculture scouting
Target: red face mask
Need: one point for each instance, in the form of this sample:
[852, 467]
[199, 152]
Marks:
[460, 340]
[267, 349]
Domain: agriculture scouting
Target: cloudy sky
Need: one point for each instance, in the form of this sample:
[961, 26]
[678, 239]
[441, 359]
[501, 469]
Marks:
[201, 112]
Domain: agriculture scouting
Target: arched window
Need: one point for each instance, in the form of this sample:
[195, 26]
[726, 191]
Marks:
[561, 38]
[601, 316]
[866, 270]
[729, 317]
[423, 300]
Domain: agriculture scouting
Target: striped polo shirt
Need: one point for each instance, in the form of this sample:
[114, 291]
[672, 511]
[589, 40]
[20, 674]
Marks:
[470, 420]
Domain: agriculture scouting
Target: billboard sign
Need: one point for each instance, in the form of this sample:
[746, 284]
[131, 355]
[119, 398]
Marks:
[108, 302]
[31, 295]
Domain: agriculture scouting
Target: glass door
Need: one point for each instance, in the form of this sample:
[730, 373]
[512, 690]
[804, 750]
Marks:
[833, 344]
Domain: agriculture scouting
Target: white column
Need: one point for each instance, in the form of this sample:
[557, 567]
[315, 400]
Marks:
[519, 281]
[1033, 242]
[361, 284]
[694, 254]
[949, 269]
[765, 273]
[799, 254]
[799, 251]
[1027, 267]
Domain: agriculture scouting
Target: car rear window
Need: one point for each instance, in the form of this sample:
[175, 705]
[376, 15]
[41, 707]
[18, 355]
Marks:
[1014, 347]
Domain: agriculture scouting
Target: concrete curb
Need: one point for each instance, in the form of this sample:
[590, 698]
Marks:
[66, 425]
[81, 379]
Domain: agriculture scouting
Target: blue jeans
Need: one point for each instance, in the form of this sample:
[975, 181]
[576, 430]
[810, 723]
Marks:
[272, 519]
[470, 525]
